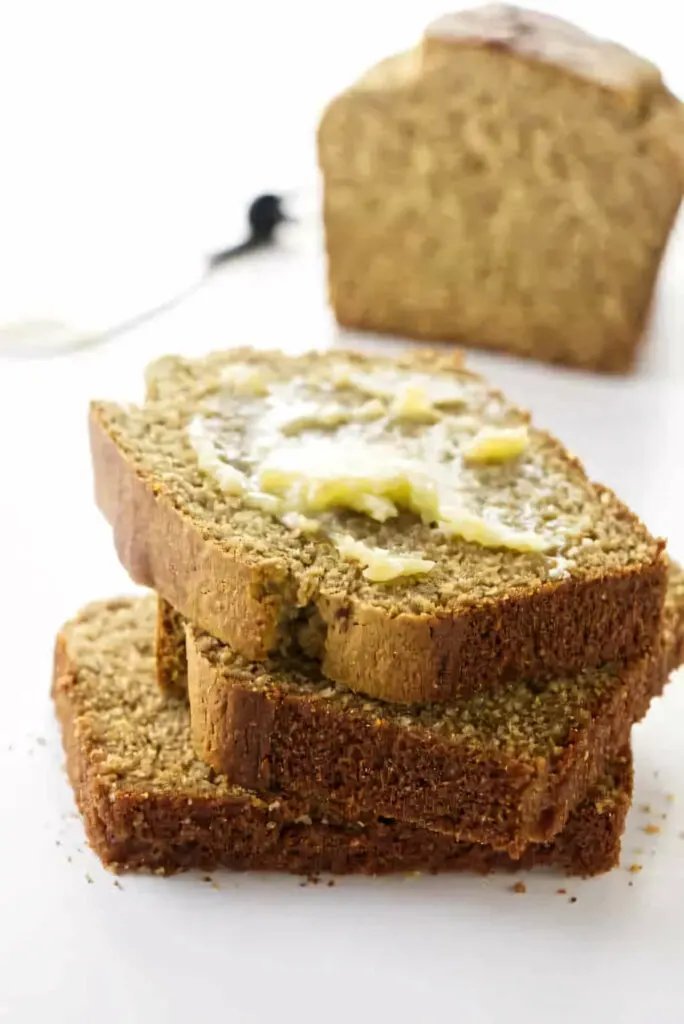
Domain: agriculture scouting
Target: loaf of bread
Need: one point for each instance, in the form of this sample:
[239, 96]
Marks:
[504, 769]
[148, 803]
[398, 521]
[509, 184]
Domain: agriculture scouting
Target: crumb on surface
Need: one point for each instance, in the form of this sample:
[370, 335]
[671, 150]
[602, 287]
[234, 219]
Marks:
[89, 879]
[651, 829]
[117, 884]
[670, 797]
[573, 899]
[645, 808]
[519, 887]
[561, 892]
[630, 883]
[331, 882]
[635, 868]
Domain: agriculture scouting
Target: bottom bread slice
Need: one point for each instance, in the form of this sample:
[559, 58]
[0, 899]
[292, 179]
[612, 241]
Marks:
[149, 803]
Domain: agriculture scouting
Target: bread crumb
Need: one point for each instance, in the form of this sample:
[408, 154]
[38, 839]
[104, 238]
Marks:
[638, 850]
[634, 868]
[561, 892]
[573, 899]
[670, 797]
[89, 879]
[118, 885]
[645, 808]
[651, 829]
[207, 878]
[331, 883]
[630, 883]
[520, 887]
[215, 885]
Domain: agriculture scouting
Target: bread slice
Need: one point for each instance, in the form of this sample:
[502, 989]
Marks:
[267, 581]
[504, 769]
[509, 184]
[149, 803]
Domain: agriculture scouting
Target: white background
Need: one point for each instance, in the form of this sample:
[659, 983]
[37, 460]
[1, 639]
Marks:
[132, 135]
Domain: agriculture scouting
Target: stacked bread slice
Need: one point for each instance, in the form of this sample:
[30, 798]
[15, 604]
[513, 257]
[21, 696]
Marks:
[395, 627]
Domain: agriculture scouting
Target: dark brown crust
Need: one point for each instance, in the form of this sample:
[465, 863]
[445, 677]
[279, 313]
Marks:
[557, 630]
[269, 737]
[168, 832]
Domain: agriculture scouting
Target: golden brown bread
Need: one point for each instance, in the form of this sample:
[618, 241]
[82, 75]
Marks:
[149, 803]
[504, 769]
[509, 184]
[481, 616]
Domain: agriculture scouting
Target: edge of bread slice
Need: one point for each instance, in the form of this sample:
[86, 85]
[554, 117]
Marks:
[504, 769]
[148, 803]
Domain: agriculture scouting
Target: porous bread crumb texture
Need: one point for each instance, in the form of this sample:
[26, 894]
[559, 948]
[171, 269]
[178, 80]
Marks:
[510, 184]
[481, 616]
[504, 769]
[170, 658]
[149, 804]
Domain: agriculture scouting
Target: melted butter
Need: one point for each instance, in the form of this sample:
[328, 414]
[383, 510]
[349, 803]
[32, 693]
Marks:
[381, 565]
[369, 478]
[496, 444]
[296, 521]
[228, 477]
[413, 404]
[446, 449]
[437, 391]
[479, 530]
[243, 379]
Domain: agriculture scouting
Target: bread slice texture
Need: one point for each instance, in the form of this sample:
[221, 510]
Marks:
[481, 615]
[148, 803]
[511, 184]
[503, 769]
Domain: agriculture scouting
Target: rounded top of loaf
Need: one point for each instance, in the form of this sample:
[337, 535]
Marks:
[546, 39]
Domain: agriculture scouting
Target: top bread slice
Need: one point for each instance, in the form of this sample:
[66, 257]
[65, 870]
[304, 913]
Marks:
[510, 183]
[588, 587]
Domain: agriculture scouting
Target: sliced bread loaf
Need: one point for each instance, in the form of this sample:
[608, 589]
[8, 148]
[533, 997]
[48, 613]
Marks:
[509, 184]
[399, 521]
[148, 803]
[504, 769]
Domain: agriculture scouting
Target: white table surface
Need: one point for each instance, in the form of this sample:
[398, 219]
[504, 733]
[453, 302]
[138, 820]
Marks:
[75, 947]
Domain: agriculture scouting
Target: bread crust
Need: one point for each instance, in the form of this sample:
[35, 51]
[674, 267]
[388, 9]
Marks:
[167, 829]
[560, 628]
[266, 736]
